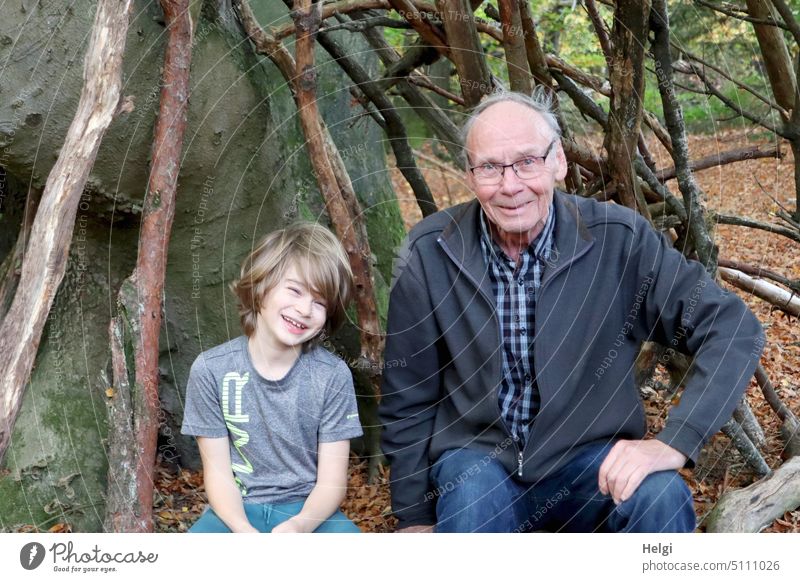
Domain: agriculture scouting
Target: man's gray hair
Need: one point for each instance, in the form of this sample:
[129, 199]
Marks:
[541, 101]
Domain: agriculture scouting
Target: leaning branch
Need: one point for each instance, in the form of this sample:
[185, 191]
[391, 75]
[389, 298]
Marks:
[761, 272]
[514, 47]
[395, 129]
[728, 77]
[429, 32]
[784, 300]
[692, 69]
[788, 18]
[790, 425]
[740, 16]
[46, 256]
[626, 75]
[334, 183]
[724, 158]
[443, 127]
[466, 49]
[135, 415]
[750, 223]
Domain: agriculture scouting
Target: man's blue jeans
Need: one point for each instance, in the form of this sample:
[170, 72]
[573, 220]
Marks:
[264, 517]
[474, 493]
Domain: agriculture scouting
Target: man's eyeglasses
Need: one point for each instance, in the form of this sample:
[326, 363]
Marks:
[526, 168]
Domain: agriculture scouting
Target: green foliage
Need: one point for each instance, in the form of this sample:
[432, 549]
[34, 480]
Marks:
[565, 29]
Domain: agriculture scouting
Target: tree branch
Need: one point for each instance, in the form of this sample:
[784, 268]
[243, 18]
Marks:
[415, 56]
[756, 506]
[600, 29]
[626, 75]
[690, 69]
[441, 125]
[788, 18]
[790, 425]
[332, 9]
[370, 22]
[740, 16]
[724, 158]
[466, 49]
[746, 447]
[784, 300]
[773, 228]
[422, 81]
[426, 30]
[46, 257]
[395, 129]
[130, 476]
[761, 273]
[766, 100]
[334, 182]
[513, 43]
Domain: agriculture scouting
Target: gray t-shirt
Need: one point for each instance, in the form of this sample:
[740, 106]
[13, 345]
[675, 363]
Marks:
[273, 427]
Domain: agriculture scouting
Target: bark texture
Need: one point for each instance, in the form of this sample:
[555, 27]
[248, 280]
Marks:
[45, 259]
[135, 330]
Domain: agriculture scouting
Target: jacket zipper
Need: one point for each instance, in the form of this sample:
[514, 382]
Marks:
[500, 335]
[536, 319]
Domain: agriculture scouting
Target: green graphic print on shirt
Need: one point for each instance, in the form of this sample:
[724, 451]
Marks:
[236, 416]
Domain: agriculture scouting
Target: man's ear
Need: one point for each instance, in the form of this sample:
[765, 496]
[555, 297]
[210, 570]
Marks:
[468, 179]
[561, 162]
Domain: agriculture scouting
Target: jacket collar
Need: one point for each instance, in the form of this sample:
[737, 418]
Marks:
[461, 239]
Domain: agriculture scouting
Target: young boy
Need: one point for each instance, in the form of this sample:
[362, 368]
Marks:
[273, 411]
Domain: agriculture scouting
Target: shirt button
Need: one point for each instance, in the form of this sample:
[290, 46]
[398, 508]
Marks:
[527, 377]
[516, 318]
[522, 330]
[521, 281]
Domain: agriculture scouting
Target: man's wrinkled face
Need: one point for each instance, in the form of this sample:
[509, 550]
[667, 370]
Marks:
[508, 133]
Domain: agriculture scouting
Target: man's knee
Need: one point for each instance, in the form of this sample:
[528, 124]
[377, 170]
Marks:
[473, 492]
[467, 470]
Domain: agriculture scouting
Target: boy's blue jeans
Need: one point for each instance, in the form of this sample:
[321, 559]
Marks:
[474, 493]
[264, 517]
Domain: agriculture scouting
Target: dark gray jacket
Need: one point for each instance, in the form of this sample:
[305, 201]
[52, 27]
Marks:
[612, 282]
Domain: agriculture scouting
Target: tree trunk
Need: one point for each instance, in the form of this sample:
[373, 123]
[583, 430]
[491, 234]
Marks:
[782, 79]
[519, 73]
[696, 223]
[627, 92]
[465, 50]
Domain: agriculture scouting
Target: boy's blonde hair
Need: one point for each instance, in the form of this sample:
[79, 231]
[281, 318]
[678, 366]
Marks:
[319, 259]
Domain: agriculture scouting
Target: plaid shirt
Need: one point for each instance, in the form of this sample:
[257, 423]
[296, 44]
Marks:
[515, 286]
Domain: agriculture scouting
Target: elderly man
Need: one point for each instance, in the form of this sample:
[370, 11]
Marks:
[518, 317]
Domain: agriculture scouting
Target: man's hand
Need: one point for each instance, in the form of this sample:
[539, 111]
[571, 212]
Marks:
[416, 529]
[629, 462]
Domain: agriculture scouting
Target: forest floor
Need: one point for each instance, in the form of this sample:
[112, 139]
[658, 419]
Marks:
[745, 189]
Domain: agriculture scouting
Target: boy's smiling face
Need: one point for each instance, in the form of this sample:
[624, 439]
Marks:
[291, 313]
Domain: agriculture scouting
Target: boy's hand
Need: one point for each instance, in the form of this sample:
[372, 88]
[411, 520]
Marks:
[289, 526]
[416, 529]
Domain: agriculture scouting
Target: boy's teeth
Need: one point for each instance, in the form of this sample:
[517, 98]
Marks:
[294, 323]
